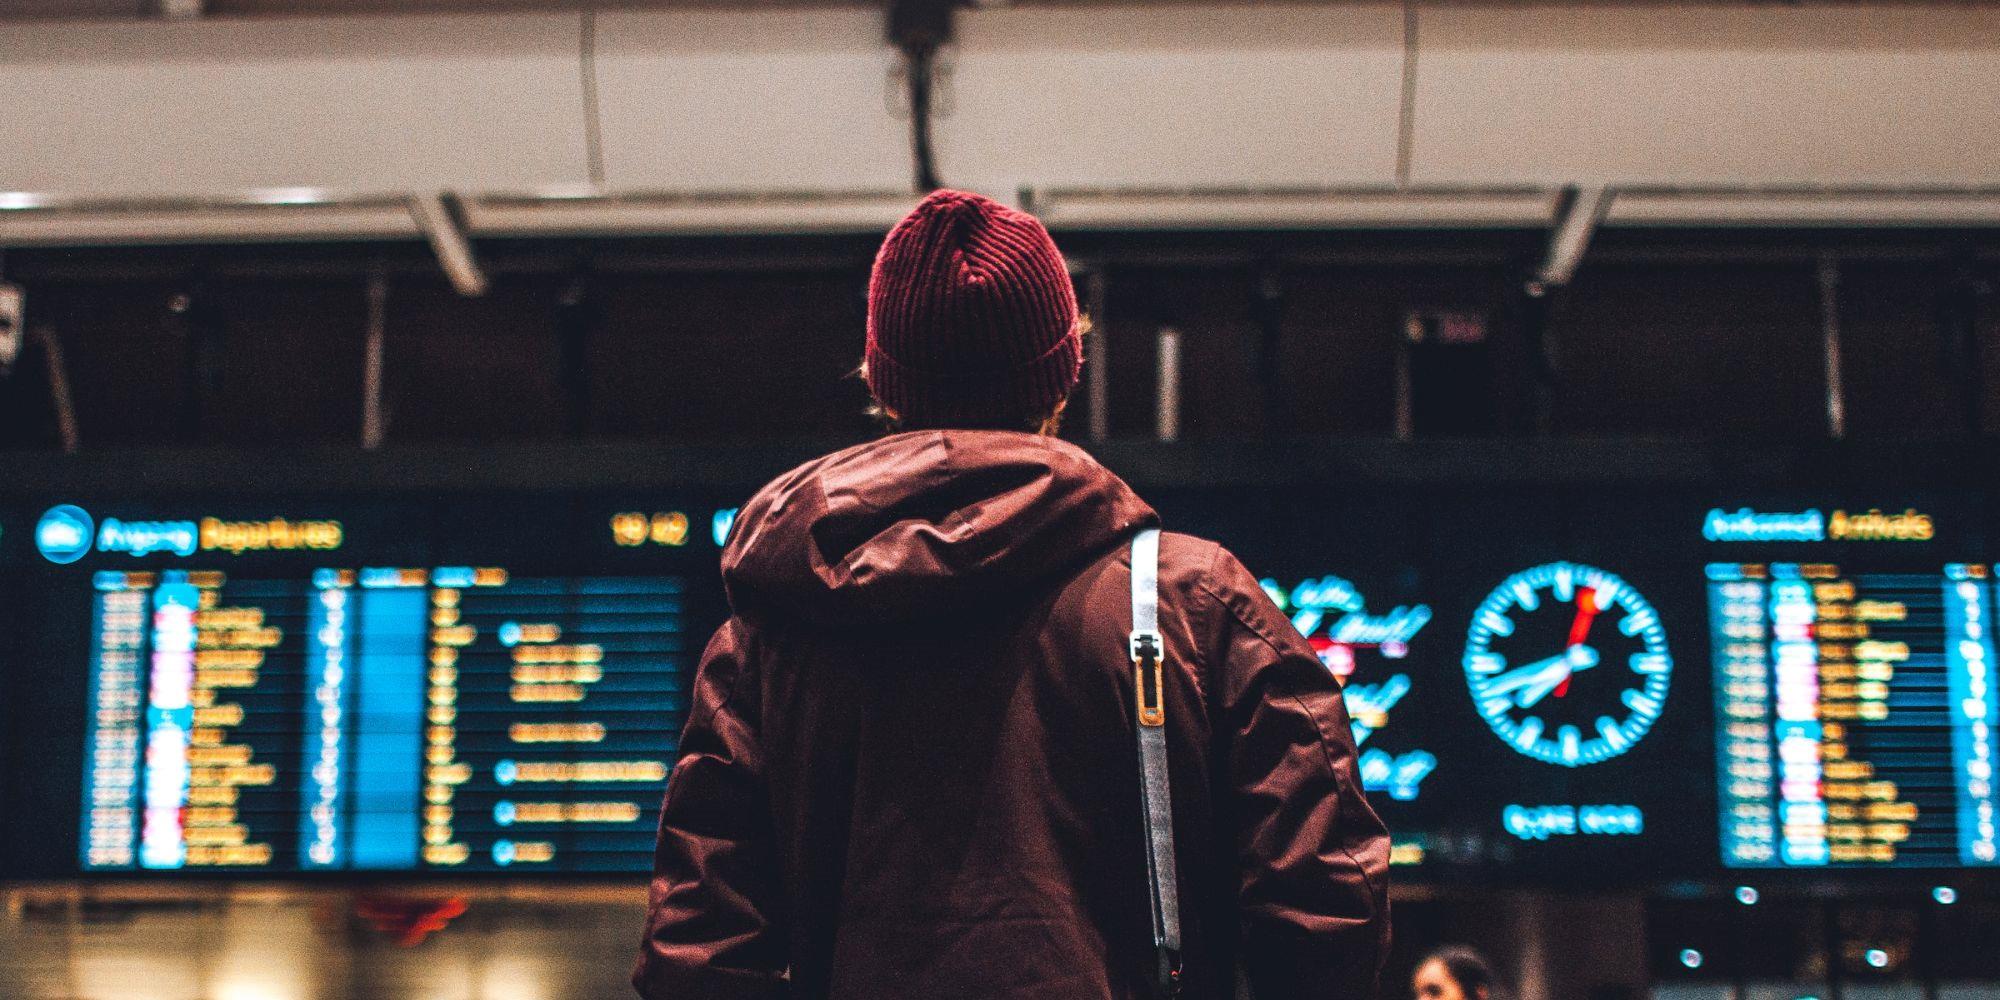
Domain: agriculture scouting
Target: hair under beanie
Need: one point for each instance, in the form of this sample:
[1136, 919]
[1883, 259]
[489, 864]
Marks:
[971, 316]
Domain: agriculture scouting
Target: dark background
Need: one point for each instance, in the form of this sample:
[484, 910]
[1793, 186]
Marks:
[1709, 334]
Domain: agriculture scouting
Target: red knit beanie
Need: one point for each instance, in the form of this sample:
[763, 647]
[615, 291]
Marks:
[971, 316]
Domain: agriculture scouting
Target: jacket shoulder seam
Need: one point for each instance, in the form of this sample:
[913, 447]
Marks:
[1207, 584]
[1326, 755]
[1205, 680]
[744, 644]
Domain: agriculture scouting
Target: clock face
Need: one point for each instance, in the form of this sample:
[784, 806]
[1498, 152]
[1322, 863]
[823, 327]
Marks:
[1567, 663]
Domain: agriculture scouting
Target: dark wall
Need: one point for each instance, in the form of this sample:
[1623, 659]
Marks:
[729, 355]
[1309, 349]
[1908, 368]
[1712, 335]
[1675, 349]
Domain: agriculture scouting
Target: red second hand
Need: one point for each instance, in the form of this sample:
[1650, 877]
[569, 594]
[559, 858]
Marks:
[1579, 628]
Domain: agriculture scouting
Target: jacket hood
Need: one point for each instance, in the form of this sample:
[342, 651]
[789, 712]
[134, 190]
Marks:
[924, 523]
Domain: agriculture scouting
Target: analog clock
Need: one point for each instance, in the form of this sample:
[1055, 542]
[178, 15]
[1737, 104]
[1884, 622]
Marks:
[1567, 663]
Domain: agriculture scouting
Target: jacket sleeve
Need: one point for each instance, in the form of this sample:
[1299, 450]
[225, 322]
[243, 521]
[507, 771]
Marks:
[713, 931]
[1312, 857]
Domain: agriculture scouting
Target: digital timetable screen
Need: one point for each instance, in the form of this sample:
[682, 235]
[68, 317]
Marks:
[262, 694]
[1616, 684]
[381, 719]
[1855, 710]
[1549, 684]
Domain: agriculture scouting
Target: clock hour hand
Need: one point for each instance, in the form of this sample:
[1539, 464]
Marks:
[1527, 676]
[1530, 684]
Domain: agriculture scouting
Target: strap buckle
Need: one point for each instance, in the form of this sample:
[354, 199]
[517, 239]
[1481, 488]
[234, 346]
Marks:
[1170, 981]
[1148, 658]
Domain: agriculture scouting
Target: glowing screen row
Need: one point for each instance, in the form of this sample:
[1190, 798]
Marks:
[1854, 715]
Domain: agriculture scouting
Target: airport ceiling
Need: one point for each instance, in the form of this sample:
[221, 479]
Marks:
[182, 9]
[142, 9]
[146, 9]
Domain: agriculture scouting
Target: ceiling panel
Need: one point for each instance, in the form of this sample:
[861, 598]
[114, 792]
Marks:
[1178, 96]
[100, 9]
[216, 107]
[732, 101]
[1716, 96]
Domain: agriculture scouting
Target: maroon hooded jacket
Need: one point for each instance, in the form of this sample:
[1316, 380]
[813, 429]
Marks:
[910, 768]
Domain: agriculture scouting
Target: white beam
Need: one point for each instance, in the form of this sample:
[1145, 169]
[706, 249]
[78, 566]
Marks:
[448, 240]
[584, 213]
[1804, 206]
[31, 219]
[1583, 209]
[1294, 208]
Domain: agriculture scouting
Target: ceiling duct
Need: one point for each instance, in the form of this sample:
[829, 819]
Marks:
[581, 213]
[1293, 208]
[28, 219]
[1806, 207]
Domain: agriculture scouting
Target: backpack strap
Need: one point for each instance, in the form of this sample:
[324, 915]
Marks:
[1149, 685]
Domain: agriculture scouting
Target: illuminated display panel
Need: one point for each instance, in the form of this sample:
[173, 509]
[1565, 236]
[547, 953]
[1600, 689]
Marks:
[1581, 684]
[381, 719]
[338, 694]
[1616, 685]
[1525, 670]
[1854, 704]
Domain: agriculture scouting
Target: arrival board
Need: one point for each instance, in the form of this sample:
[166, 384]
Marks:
[1855, 712]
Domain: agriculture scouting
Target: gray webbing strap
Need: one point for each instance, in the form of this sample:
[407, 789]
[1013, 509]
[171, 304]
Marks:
[1148, 666]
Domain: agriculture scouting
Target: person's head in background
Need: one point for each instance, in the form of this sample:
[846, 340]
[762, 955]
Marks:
[1456, 973]
[972, 321]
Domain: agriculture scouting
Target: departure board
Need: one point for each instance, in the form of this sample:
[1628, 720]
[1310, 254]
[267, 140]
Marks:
[1854, 711]
[261, 695]
[380, 719]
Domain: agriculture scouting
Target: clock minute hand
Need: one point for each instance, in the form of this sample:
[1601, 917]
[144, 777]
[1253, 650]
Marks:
[1557, 678]
[1530, 684]
[1521, 677]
